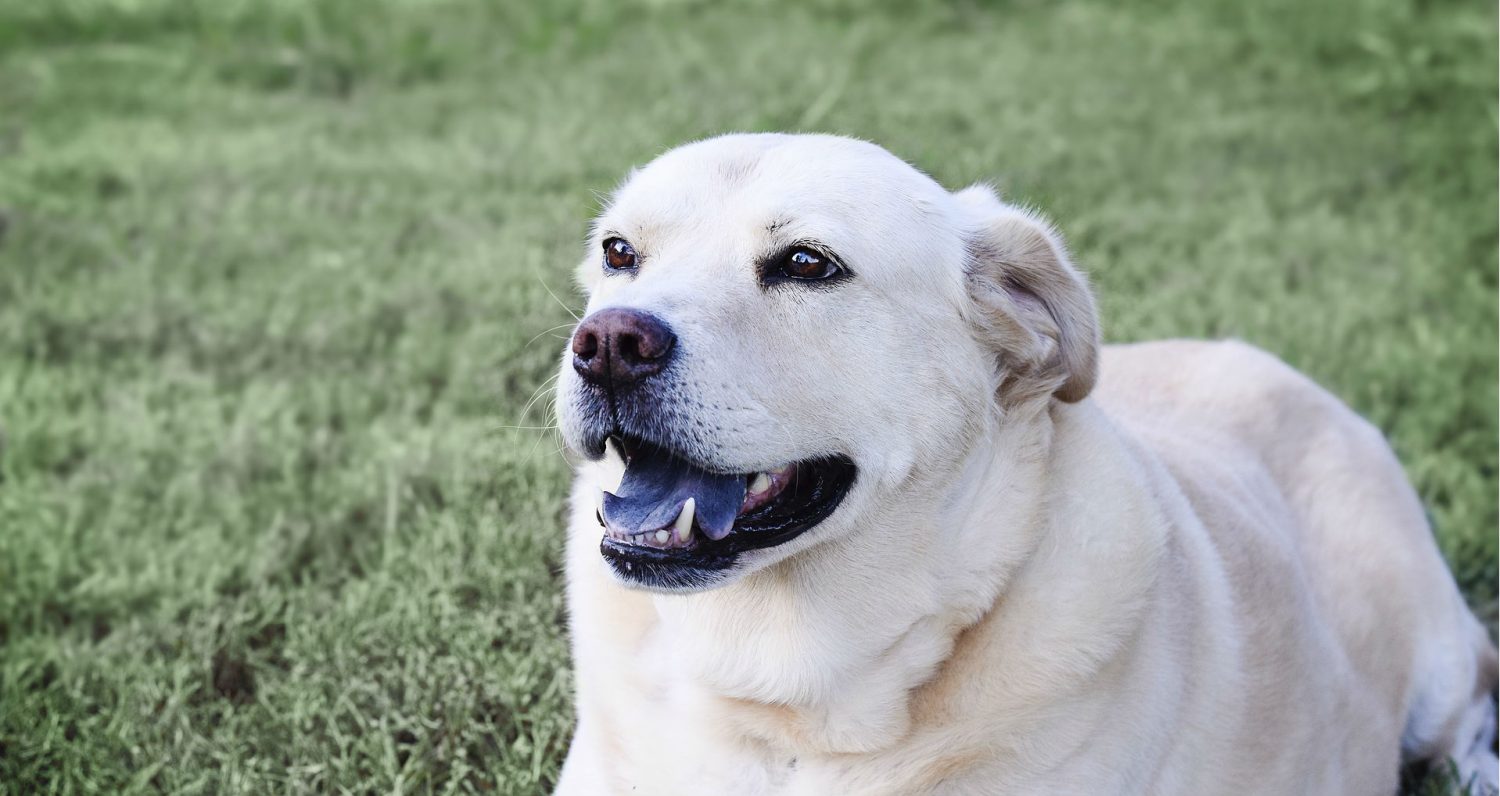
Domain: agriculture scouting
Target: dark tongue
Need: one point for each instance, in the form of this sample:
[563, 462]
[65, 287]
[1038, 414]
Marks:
[657, 484]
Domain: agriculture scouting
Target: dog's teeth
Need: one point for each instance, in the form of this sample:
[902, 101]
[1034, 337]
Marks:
[684, 523]
[662, 536]
[760, 483]
[612, 466]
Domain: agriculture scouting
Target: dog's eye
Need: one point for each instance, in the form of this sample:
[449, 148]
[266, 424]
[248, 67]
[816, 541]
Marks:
[619, 255]
[808, 265]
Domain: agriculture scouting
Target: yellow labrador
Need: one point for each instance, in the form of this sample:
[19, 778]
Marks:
[863, 507]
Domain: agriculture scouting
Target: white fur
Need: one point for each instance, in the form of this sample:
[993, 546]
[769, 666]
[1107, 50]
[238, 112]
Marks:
[1206, 576]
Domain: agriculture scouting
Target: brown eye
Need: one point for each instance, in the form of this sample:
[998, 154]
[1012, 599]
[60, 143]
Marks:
[804, 263]
[618, 255]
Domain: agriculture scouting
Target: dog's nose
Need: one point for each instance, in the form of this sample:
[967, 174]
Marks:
[618, 347]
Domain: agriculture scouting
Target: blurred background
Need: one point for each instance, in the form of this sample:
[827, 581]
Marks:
[282, 285]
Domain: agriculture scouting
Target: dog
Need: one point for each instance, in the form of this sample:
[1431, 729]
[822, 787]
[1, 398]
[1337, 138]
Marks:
[863, 506]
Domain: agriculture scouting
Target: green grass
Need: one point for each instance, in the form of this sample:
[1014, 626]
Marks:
[275, 289]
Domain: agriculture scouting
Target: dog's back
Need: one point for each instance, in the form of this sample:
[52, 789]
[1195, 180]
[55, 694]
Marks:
[1357, 532]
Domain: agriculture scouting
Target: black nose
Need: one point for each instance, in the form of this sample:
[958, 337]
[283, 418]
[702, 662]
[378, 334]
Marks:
[618, 347]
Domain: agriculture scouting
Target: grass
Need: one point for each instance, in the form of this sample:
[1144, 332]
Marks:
[276, 310]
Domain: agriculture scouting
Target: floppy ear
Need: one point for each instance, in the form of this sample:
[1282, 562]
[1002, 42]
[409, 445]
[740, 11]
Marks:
[1031, 304]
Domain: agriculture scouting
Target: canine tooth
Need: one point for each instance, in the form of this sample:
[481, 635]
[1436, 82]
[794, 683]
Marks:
[684, 522]
[611, 467]
[760, 483]
[662, 536]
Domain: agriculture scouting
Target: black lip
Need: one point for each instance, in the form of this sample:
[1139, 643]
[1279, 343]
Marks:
[816, 491]
[665, 570]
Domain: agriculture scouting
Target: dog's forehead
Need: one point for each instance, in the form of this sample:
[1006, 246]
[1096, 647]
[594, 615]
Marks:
[755, 184]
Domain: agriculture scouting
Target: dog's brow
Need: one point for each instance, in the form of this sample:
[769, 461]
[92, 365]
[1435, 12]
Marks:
[777, 224]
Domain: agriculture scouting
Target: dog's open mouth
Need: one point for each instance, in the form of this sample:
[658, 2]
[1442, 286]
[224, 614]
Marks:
[670, 521]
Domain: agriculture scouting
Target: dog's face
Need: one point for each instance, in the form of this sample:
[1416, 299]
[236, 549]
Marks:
[781, 331]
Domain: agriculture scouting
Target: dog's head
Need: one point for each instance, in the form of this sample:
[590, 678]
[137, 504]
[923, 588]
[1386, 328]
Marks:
[784, 332]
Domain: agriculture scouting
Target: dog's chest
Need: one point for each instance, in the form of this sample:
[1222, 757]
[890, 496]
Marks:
[688, 746]
[684, 739]
[692, 763]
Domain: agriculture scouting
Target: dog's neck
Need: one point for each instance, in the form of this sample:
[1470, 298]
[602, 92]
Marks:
[822, 651]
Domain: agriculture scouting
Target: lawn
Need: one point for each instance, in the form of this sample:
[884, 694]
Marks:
[282, 285]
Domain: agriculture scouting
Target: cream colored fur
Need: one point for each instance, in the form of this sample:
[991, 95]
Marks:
[1164, 568]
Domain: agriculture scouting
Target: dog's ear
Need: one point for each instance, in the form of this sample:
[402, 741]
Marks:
[1030, 303]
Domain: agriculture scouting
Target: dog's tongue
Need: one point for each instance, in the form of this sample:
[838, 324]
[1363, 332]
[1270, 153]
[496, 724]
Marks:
[657, 484]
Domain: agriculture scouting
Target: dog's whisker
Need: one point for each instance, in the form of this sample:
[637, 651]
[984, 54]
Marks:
[538, 394]
[545, 332]
[559, 301]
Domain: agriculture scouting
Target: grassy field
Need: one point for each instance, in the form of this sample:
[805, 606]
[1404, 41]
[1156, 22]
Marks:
[276, 299]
